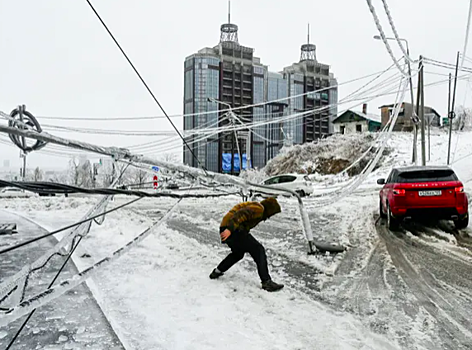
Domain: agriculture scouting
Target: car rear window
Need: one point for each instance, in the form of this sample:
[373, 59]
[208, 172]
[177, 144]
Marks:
[426, 176]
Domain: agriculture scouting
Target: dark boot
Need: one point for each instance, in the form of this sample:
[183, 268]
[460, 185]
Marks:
[215, 274]
[271, 286]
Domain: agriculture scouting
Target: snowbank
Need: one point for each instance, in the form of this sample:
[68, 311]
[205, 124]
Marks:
[326, 156]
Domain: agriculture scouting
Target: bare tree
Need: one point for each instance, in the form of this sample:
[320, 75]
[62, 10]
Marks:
[463, 119]
[80, 172]
[73, 171]
[110, 170]
[171, 158]
[38, 174]
[86, 174]
[107, 173]
[140, 177]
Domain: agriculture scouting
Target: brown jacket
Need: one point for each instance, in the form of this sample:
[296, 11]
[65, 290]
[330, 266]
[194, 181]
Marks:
[245, 216]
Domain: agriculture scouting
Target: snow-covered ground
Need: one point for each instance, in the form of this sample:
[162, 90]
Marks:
[159, 295]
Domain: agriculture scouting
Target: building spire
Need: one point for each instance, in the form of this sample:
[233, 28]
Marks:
[229, 31]
[308, 51]
[308, 41]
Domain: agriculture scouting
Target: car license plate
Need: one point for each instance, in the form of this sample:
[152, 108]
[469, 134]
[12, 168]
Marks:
[429, 193]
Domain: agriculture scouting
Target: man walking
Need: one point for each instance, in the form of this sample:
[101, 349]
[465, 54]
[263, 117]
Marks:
[234, 231]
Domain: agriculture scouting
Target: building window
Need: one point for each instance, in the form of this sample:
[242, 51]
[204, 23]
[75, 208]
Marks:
[342, 129]
[359, 128]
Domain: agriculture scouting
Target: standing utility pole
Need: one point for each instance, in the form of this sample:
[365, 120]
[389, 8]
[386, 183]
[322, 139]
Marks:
[414, 115]
[451, 110]
[21, 109]
[420, 110]
[430, 119]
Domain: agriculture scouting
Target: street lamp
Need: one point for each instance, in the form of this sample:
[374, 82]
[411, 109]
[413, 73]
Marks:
[413, 113]
[232, 117]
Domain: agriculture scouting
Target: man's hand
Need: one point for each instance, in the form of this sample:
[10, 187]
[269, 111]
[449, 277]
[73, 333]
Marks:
[225, 234]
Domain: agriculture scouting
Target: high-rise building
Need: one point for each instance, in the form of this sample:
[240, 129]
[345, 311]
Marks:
[310, 81]
[227, 74]
[276, 88]
[230, 75]
[333, 101]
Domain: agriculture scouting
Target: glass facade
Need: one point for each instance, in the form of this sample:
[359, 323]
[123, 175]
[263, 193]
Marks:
[258, 143]
[201, 81]
[188, 106]
[296, 105]
[277, 92]
[333, 100]
[307, 78]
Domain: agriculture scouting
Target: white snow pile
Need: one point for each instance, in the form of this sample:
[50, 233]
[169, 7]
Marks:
[325, 156]
[254, 175]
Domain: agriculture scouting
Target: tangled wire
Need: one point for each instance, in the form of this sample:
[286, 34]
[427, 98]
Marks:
[22, 115]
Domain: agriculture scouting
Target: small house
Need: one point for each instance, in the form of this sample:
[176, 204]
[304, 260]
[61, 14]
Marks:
[353, 121]
[404, 121]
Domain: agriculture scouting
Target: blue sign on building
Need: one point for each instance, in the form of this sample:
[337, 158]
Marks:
[155, 168]
[227, 162]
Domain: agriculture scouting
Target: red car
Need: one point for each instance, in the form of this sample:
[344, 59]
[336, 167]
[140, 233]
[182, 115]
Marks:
[430, 191]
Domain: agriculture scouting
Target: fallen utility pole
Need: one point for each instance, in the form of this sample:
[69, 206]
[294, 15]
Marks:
[452, 113]
[122, 153]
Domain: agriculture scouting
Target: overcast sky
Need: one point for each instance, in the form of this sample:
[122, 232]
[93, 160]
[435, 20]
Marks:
[56, 58]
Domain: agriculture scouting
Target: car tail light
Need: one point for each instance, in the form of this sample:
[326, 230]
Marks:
[460, 189]
[399, 192]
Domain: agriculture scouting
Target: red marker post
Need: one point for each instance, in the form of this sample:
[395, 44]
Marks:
[155, 182]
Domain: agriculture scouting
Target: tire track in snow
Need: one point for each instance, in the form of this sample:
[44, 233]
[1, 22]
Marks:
[424, 270]
[370, 293]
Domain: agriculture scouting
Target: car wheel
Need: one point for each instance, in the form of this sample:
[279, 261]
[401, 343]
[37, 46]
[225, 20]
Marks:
[301, 193]
[462, 222]
[392, 223]
[382, 214]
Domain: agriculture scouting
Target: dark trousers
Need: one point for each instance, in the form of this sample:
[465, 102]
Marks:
[241, 244]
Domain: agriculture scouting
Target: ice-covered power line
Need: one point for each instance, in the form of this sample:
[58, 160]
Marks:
[384, 38]
[288, 98]
[60, 128]
[446, 65]
[467, 31]
[17, 280]
[169, 145]
[52, 293]
[142, 79]
[329, 200]
[295, 115]
[395, 32]
[153, 149]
